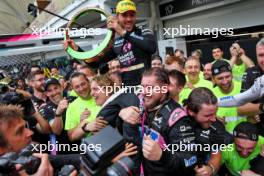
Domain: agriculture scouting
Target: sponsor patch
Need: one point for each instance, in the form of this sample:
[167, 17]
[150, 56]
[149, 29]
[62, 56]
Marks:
[227, 98]
[176, 115]
[190, 161]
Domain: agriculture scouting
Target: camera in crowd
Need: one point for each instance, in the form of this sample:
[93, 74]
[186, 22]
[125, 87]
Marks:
[29, 163]
[9, 97]
[18, 99]
[98, 162]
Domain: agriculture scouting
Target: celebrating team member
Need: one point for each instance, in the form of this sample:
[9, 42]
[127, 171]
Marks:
[133, 48]
[226, 86]
[246, 146]
[165, 124]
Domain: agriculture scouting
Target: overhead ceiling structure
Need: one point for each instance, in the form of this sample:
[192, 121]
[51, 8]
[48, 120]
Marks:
[15, 60]
[14, 17]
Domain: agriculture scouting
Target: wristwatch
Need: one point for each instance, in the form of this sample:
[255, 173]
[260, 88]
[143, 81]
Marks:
[58, 115]
[84, 126]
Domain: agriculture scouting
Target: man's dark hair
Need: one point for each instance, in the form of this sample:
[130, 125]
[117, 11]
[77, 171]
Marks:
[198, 97]
[72, 61]
[156, 57]
[7, 114]
[199, 52]
[181, 51]
[32, 75]
[217, 47]
[160, 74]
[87, 67]
[77, 74]
[179, 76]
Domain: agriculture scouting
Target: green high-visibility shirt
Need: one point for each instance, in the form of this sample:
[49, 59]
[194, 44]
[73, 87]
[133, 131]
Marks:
[234, 162]
[238, 71]
[73, 93]
[229, 113]
[75, 110]
[186, 90]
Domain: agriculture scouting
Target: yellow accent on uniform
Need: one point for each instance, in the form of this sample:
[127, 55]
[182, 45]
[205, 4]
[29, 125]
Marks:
[125, 5]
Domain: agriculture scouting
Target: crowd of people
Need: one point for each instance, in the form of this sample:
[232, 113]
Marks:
[182, 117]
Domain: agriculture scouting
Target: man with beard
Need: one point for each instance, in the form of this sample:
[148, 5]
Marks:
[133, 47]
[38, 124]
[163, 123]
[37, 79]
[226, 86]
[252, 91]
[210, 133]
[55, 112]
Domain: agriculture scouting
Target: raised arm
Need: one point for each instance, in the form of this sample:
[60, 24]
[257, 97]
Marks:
[256, 91]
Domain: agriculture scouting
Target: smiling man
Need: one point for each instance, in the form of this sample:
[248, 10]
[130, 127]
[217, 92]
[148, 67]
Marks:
[194, 80]
[134, 47]
[226, 86]
[218, 53]
[247, 145]
[81, 113]
[201, 106]
[166, 120]
[55, 112]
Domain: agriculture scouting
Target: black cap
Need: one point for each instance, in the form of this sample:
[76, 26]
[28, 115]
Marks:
[49, 82]
[246, 130]
[220, 66]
